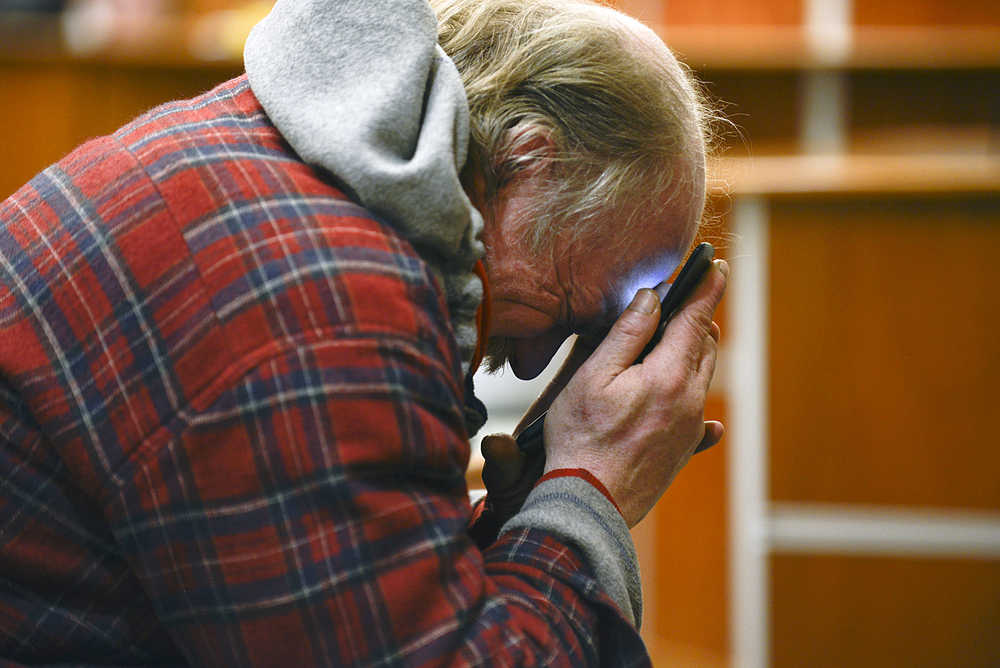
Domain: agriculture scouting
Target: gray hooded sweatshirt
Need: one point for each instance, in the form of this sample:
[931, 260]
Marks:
[362, 90]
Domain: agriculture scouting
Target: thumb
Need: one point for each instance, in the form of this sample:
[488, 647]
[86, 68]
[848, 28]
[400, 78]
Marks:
[630, 333]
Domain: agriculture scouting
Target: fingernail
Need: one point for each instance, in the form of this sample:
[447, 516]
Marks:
[645, 301]
[723, 267]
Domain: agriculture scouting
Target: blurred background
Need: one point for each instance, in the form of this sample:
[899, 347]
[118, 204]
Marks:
[851, 516]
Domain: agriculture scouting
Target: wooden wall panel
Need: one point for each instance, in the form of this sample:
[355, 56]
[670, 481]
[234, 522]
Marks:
[932, 13]
[888, 103]
[732, 12]
[48, 109]
[682, 547]
[832, 611]
[202, 6]
[883, 348]
[131, 91]
[762, 107]
[38, 119]
[714, 12]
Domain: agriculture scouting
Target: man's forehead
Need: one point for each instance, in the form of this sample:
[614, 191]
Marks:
[659, 246]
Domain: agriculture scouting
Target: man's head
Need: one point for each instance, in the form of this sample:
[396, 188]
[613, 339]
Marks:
[587, 160]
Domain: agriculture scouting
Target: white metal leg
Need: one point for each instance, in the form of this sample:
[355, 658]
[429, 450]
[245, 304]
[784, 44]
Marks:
[747, 450]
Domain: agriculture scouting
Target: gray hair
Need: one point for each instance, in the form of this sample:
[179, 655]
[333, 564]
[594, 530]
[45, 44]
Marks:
[627, 121]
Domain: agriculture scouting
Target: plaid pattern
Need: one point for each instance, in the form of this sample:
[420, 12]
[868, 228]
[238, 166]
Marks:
[231, 426]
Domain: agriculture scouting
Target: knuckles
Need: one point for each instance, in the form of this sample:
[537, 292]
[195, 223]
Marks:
[635, 325]
[697, 319]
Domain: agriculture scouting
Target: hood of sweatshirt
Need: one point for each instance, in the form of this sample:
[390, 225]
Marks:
[363, 90]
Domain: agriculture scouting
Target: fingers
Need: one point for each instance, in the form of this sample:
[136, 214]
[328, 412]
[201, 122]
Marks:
[629, 335]
[577, 356]
[700, 308]
[708, 356]
[504, 461]
[714, 431]
[693, 324]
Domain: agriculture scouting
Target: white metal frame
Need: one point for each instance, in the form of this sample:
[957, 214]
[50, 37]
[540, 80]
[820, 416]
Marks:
[758, 528]
[747, 441]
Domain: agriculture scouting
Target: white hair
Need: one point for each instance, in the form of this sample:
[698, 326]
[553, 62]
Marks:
[626, 118]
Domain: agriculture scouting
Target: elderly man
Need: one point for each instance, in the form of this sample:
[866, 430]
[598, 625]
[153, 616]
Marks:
[238, 334]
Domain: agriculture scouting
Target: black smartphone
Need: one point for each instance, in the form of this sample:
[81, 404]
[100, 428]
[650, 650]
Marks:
[672, 297]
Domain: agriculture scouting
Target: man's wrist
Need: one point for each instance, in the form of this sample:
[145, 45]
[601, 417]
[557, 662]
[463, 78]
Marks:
[575, 507]
[585, 475]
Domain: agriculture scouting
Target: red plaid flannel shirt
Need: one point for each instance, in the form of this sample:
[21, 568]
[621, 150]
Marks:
[231, 426]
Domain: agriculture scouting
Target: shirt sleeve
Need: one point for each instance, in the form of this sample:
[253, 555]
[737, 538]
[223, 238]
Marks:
[576, 507]
[314, 513]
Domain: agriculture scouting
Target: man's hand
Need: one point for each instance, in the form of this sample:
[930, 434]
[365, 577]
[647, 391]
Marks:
[508, 474]
[635, 426]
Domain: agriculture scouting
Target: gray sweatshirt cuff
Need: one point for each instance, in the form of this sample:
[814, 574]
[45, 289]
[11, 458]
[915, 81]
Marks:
[574, 511]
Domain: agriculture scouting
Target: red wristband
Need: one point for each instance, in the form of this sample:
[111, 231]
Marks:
[585, 475]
